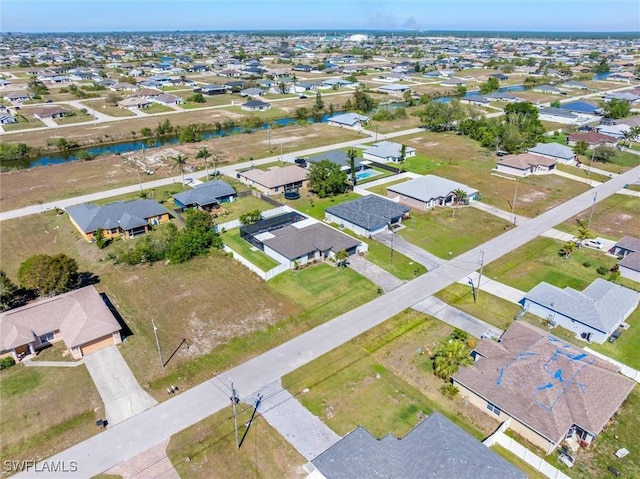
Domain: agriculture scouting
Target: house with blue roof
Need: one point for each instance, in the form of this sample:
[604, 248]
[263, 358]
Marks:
[128, 219]
[205, 196]
[582, 107]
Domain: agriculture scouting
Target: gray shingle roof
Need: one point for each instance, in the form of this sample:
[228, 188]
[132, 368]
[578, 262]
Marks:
[555, 150]
[545, 382]
[297, 240]
[436, 448]
[127, 215]
[430, 187]
[602, 305]
[349, 119]
[338, 157]
[370, 212]
[205, 193]
[388, 149]
[551, 110]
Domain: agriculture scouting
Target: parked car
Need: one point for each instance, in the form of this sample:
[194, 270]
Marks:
[591, 243]
[303, 97]
[614, 336]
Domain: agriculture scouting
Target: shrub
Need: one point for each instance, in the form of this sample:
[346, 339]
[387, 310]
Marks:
[6, 363]
[587, 264]
[602, 270]
[449, 390]
[614, 276]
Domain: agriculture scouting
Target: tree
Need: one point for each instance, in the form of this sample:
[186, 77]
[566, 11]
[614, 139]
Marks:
[146, 131]
[302, 113]
[196, 238]
[567, 249]
[602, 67]
[615, 108]
[205, 155]
[341, 258]
[352, 154]
[604, 153]
[99, 237]
[196, 98]
[635, 133]
[319, 104]
[251, 217]
[48, 274]
[581, 147]
[8, 292]
[180, 161]
[450, 357]
[188, 134]
[492, 84]
[327, 179]
[555, 104]
[461, 90]
[363, 102]
[460, 195]
[36, 88]
[627, 136]
[439, 116]
[403, 153]
[583, 235]
[113, 98]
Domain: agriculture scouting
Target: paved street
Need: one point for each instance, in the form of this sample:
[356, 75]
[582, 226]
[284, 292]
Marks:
[138, 434]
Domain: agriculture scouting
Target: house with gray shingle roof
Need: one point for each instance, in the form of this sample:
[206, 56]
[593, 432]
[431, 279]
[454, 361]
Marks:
[205, 196]
[349, 120]
[386, 151]
[436, 448]
[129, 219]
[549, 390]
[628, 250]
[429, 191]
[368, 215]
[593, 314]
[554, 151]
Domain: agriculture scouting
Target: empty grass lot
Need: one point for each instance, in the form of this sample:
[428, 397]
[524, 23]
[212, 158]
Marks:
[539, 261]
[401, 267]
[78, 116]
[45, 410]
[232, 239]
[157, 108]
[621, 162]
[269, 114]
[440, 234]
[24, 122]
[103, 107]
[211, 449]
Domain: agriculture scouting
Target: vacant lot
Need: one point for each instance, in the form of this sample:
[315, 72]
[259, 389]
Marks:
[539, 261]
[400, 266]
[111, 110]
[208, 449]
[45, 410]
[462, 159]
[613, 218]
[447, 232]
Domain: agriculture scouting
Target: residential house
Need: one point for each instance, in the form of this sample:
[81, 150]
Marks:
[394, 90]
[134, 103]
[628, 250]
[256, 105]
[525, 164]
[500, 76]
[548, 89]
[79, 318]
[335, 83]
[435, 448]
[573, 85]
[129, 219]
[302, 68]
[582, 108]
[428, 191]
[349, 120]
[632, 98]
[617, 131]
[167, 99]
[295, 240]
[387, 151]
[49, 112]
[7, 120]
[276, 179]
[593, 314]
[212, 89]
[621, 76]
[555, 151]
[253, 92]
[4, 83]
[547, 389]
[508, 97]
[205, 196]
[477, 100]
[454, 82]
[593, 139]
[17, 97]
[340, 158]
[558, 115]
[368, 215]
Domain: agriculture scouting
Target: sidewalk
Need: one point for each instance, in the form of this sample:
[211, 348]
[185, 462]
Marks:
[586, 181]
[491, 286]
[411, 251]
[505, 215]
[30, 363]
[456, 318]
[374, 273]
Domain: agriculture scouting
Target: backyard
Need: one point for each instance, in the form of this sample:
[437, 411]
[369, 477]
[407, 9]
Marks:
[233, 240]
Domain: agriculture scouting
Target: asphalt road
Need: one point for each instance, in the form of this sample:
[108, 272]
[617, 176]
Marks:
[154, 425]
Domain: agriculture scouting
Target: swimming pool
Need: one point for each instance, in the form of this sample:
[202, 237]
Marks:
[363, 175]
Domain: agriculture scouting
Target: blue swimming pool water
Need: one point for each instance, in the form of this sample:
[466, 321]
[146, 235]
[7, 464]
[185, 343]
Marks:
[362, 175]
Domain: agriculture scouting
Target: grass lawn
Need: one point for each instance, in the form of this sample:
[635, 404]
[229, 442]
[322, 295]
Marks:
[461, 159]
[46, 410]
[440, 234]
[77, 117]
[157, 108]
[110, 110]
[24, 122]
[382, 189]
[232, 239]
[489, 308]
[161, 194]
[56, 352]
[211, 449]
[614, 217]
[539, 261]
[519, 463]
[241, 206]
[311, 205]
[621, 162]
[401, 266]
[269, 114]
[626, 348]
[581, 172]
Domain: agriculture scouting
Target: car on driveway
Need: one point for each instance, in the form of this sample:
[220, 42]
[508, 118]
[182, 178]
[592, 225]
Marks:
[591, 243]
[614, 336]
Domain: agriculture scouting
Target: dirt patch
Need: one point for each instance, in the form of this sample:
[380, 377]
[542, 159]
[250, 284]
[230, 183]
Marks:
[533, 197]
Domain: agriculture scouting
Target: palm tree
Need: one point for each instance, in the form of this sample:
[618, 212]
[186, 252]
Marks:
[341, 258]
[180, 160]
[459, 195]
[352, 154]
[627, 136]
[583, 235]
[567, 249]
[635, 130]
[204, 154]
[450, 357]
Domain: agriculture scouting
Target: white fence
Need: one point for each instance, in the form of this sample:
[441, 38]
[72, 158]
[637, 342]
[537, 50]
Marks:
[624, 369]
[281, 268]
[363, 189]
[535, 461]
[265, 214]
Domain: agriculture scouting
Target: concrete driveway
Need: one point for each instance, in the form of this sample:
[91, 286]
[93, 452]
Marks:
[120, 392]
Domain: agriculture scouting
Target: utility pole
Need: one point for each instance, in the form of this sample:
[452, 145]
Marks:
[280, 153]
[235, 400]
[479, 277]
[593, 205]
[391, 252]
[155, 332]
[591, 162]
[269, 131]
[513, 204]
[376, 133]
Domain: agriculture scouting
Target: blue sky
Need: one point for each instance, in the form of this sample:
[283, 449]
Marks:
[145, 15]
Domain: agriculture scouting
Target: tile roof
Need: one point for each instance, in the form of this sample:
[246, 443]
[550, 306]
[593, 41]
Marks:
[303, 238]
[126, 215]
[546, 383]
[276, 176]
[601, 306]
[80, 315]
[429, 187]
[434, 449]
[369, 212]
[592, 137]
[524, 161]
[205, 193]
